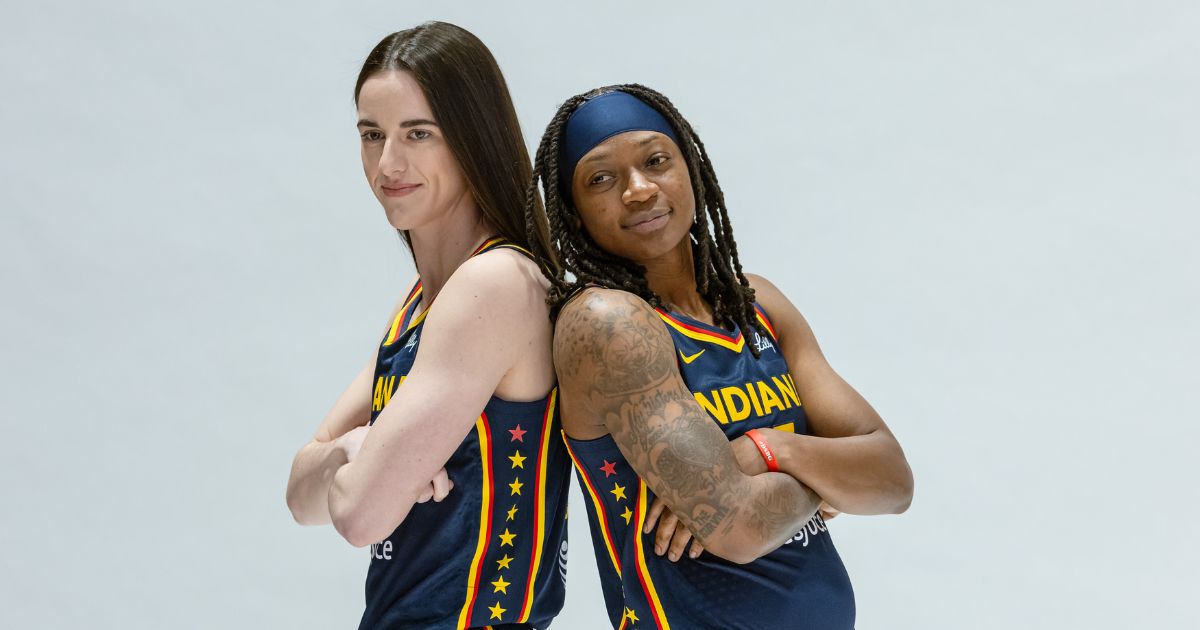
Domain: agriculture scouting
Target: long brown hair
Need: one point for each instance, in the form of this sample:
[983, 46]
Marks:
[471, 103]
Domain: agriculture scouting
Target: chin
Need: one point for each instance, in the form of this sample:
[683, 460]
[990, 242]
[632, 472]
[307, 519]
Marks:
[398, 219]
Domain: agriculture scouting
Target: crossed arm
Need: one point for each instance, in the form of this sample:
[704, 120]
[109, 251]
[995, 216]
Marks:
[487, 319]
[850, 458]
[336, 441]
[617, 374]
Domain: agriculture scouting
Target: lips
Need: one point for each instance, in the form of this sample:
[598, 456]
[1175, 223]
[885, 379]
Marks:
[398, 190]
[648, 221]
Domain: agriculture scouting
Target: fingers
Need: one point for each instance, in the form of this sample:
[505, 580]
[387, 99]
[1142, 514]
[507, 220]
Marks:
[679, 543]
[351, 441]
[441, 485]
[437, 489]
[656, 508]
[671, 537]
[665, 532]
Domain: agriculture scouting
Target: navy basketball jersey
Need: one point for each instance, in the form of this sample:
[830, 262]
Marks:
[803, 584]
[492, 554]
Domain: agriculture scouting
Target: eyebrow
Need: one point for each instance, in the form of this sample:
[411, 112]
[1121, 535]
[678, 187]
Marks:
[416, 122]
[604, 154]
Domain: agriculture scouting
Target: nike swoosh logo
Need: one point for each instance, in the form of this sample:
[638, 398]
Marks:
[688, 359]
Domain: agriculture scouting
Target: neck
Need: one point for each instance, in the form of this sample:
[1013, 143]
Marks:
[673, 278]
[440, 246]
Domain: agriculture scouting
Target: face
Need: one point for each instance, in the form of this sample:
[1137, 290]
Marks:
[408, 164]
[634, 195]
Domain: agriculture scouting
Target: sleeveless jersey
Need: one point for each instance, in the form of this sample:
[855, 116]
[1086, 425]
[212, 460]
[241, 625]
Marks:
[492, 554]
[801, 585]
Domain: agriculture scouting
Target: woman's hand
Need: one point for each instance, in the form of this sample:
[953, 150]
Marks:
[351, 441]
[438, 488]
[749, 459]
[672, 536]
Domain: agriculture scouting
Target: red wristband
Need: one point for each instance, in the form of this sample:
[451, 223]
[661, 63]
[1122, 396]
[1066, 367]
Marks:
[765, 449]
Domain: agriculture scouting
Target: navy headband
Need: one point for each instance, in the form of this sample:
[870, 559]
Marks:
[600, 118]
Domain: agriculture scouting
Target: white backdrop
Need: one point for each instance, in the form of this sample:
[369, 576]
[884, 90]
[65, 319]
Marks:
[984, 209]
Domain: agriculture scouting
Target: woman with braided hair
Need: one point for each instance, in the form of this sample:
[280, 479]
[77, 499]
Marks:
[665, 352]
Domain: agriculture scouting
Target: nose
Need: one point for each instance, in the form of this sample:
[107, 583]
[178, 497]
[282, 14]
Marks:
[638, 188]
[393, 161]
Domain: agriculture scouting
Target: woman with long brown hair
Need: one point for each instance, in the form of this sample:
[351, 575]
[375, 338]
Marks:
[443, 454]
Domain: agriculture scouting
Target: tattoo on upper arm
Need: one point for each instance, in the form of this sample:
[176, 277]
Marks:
[616, 343]
[617, 356]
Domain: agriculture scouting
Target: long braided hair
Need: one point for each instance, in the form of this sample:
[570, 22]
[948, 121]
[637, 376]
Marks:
[719, 277]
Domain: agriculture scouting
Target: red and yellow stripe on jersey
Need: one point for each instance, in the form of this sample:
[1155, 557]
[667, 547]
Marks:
[598, 505]
[398, 328]
[540, 520]
[730, 342]
[656, 608]
[485, 520]
[762, 319]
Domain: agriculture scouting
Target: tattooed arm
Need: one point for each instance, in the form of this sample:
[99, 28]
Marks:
[617, 374]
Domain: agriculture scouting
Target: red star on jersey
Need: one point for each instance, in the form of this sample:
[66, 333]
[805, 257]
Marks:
[609, 468]
[518, 434]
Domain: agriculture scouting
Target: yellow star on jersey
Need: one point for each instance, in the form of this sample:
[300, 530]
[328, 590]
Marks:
[502, 563]
[632, 616]
[497, 610]
[518, 460]
[512, 511]
[501, 585]
[626, 514]
[506, 538]
[618, 491]
[515, 486]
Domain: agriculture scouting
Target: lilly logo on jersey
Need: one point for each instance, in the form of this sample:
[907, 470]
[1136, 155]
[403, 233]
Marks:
[762, 343]
[762, 398]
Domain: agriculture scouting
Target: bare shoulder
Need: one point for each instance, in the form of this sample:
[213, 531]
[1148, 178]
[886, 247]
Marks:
[780, 309]
[597, 306]
[767, 294]
[506, 283]
[502, 268]
[613, 341]
[795, 335]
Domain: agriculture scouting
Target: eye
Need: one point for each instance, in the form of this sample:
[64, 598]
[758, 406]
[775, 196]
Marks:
[658, 159]
[419, 134]
[599, 178]
[371, 135]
